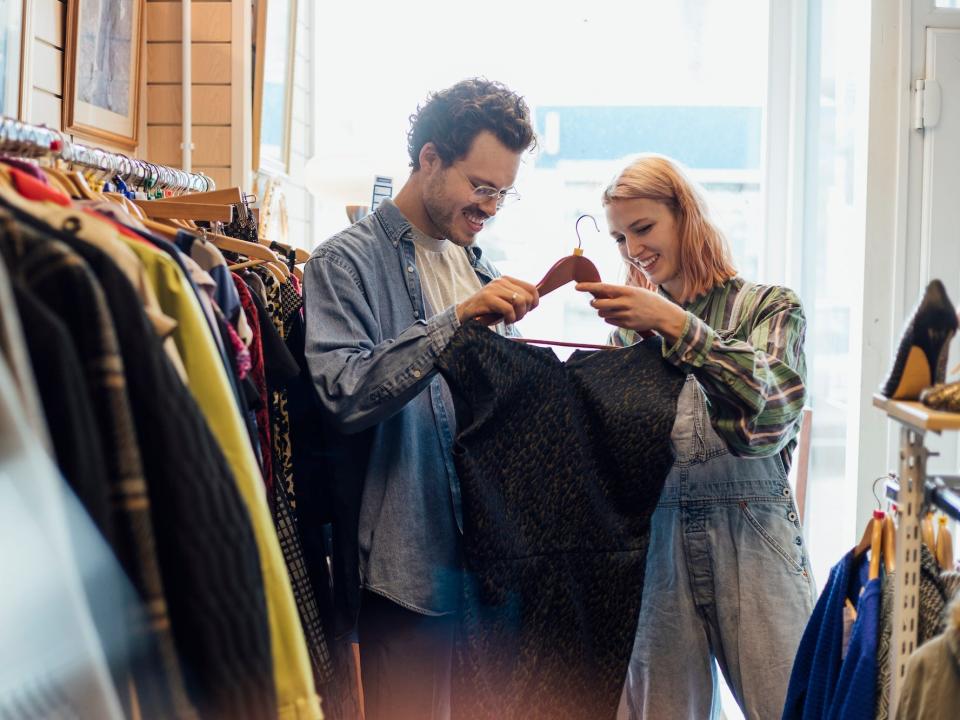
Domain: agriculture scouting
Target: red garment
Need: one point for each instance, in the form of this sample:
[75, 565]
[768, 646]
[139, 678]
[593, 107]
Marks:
[33, 189]
[259, 377]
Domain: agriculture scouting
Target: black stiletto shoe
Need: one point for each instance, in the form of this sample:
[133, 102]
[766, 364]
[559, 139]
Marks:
[921, 359]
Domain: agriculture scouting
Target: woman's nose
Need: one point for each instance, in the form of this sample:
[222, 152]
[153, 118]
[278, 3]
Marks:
[634, 247]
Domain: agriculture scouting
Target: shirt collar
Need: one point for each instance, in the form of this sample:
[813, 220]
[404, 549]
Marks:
[399, 228]
[700, 302]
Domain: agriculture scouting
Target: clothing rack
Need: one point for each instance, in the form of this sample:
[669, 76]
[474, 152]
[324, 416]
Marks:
[941, 492]
[914, 492]
[39, 141]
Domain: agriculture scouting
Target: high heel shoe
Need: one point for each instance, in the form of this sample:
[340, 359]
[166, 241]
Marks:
[921, 359]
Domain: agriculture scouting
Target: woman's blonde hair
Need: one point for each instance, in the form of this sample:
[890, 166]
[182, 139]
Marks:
[704, 256]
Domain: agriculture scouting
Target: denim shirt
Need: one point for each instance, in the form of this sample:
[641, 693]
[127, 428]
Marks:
[372, 358]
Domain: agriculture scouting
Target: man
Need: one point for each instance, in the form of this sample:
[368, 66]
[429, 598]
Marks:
[382, 300]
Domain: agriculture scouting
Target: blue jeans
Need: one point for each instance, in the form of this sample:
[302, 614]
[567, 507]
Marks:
[727, 578]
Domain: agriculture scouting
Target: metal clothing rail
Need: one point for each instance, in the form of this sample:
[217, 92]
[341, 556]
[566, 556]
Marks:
[39, 141]
[939, 491]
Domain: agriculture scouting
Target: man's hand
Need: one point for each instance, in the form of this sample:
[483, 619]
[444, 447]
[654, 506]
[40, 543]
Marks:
[504, 299]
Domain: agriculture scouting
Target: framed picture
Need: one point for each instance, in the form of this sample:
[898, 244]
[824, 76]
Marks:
[275, 33]
[11, 56]
[101, 88]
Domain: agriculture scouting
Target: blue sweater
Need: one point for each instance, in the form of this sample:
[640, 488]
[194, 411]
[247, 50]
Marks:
[856, 695]
[816, 674]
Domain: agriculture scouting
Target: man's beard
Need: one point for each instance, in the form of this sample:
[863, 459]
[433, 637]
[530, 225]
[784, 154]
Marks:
[443, 214]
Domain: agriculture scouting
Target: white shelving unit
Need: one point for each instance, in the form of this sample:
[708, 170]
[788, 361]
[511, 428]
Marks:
[915, 420]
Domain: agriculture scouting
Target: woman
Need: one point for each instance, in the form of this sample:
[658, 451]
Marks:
[727, 576]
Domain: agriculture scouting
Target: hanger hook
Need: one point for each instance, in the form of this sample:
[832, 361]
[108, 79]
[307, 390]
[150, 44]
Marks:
[577, 228]
[875, 496]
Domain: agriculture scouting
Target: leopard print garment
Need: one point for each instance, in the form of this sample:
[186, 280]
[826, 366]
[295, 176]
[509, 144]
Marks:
[930, 622]
[561, 466]
[280, 417]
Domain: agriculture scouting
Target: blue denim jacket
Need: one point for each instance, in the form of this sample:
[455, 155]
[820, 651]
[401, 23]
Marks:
[371, 354]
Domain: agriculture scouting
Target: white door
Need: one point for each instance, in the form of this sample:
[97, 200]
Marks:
[937, 109]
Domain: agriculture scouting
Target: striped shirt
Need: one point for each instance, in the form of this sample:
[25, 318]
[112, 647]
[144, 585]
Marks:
[753, 373]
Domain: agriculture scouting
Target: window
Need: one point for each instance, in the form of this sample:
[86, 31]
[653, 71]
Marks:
[833, 228]
[604, 81]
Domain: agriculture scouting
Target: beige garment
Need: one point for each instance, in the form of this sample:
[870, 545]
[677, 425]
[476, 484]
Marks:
[104, 236]
[931, 689]
[446, 276]
[255, 283]
[208, 256]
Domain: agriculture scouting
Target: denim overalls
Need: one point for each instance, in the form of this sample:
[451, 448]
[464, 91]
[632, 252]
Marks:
[727, 577]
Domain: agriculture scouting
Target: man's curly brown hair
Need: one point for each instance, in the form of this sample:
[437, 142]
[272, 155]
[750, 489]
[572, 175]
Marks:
[452, 118]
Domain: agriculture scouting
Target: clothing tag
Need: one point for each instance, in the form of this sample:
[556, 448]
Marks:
[849, 618]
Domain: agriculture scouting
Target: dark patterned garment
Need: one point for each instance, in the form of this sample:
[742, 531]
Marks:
[283, 305]
[930, 621]
[280, 419]
[208, 591]
[561, 466]
[259, 379]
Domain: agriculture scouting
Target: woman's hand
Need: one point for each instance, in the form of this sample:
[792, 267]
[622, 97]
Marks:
[636, 308]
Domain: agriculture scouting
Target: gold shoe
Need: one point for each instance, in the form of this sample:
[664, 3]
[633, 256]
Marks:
[944, 397]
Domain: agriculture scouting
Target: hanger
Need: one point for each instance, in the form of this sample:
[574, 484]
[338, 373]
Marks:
[170, 209]
[299, 255]
[227, 196]
[60, 180]
[926, 531]
[944, 545]
[574, 267]
[888, 544]
[872, 540]
[571, 268]
[887, 531]
[253, 251]
[131, 207]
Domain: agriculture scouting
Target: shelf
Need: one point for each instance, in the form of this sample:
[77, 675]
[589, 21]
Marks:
[917, 414]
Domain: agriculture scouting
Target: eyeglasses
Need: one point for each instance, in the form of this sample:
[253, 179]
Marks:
[485, 193]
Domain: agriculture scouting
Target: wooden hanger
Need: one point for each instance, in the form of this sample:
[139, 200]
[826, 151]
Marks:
[227, 196]
[123, 201]
[300, 255]
[872, 540]
[572, 268]
[944, 545]
[888, 544]
[209, 212]
[60, 180]
[254, 251]
[83, 187]
[926, 532]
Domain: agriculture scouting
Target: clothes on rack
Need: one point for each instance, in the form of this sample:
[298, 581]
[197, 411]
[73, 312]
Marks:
[142, 377]
[934, 594]
[931, 689]
[827, 682]
[53, 662]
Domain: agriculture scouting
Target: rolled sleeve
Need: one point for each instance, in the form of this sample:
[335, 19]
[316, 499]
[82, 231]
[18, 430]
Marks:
[361, 378]
[693, 347]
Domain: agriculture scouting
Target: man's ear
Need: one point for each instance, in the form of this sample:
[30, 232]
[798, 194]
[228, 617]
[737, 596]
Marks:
[430, 159]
